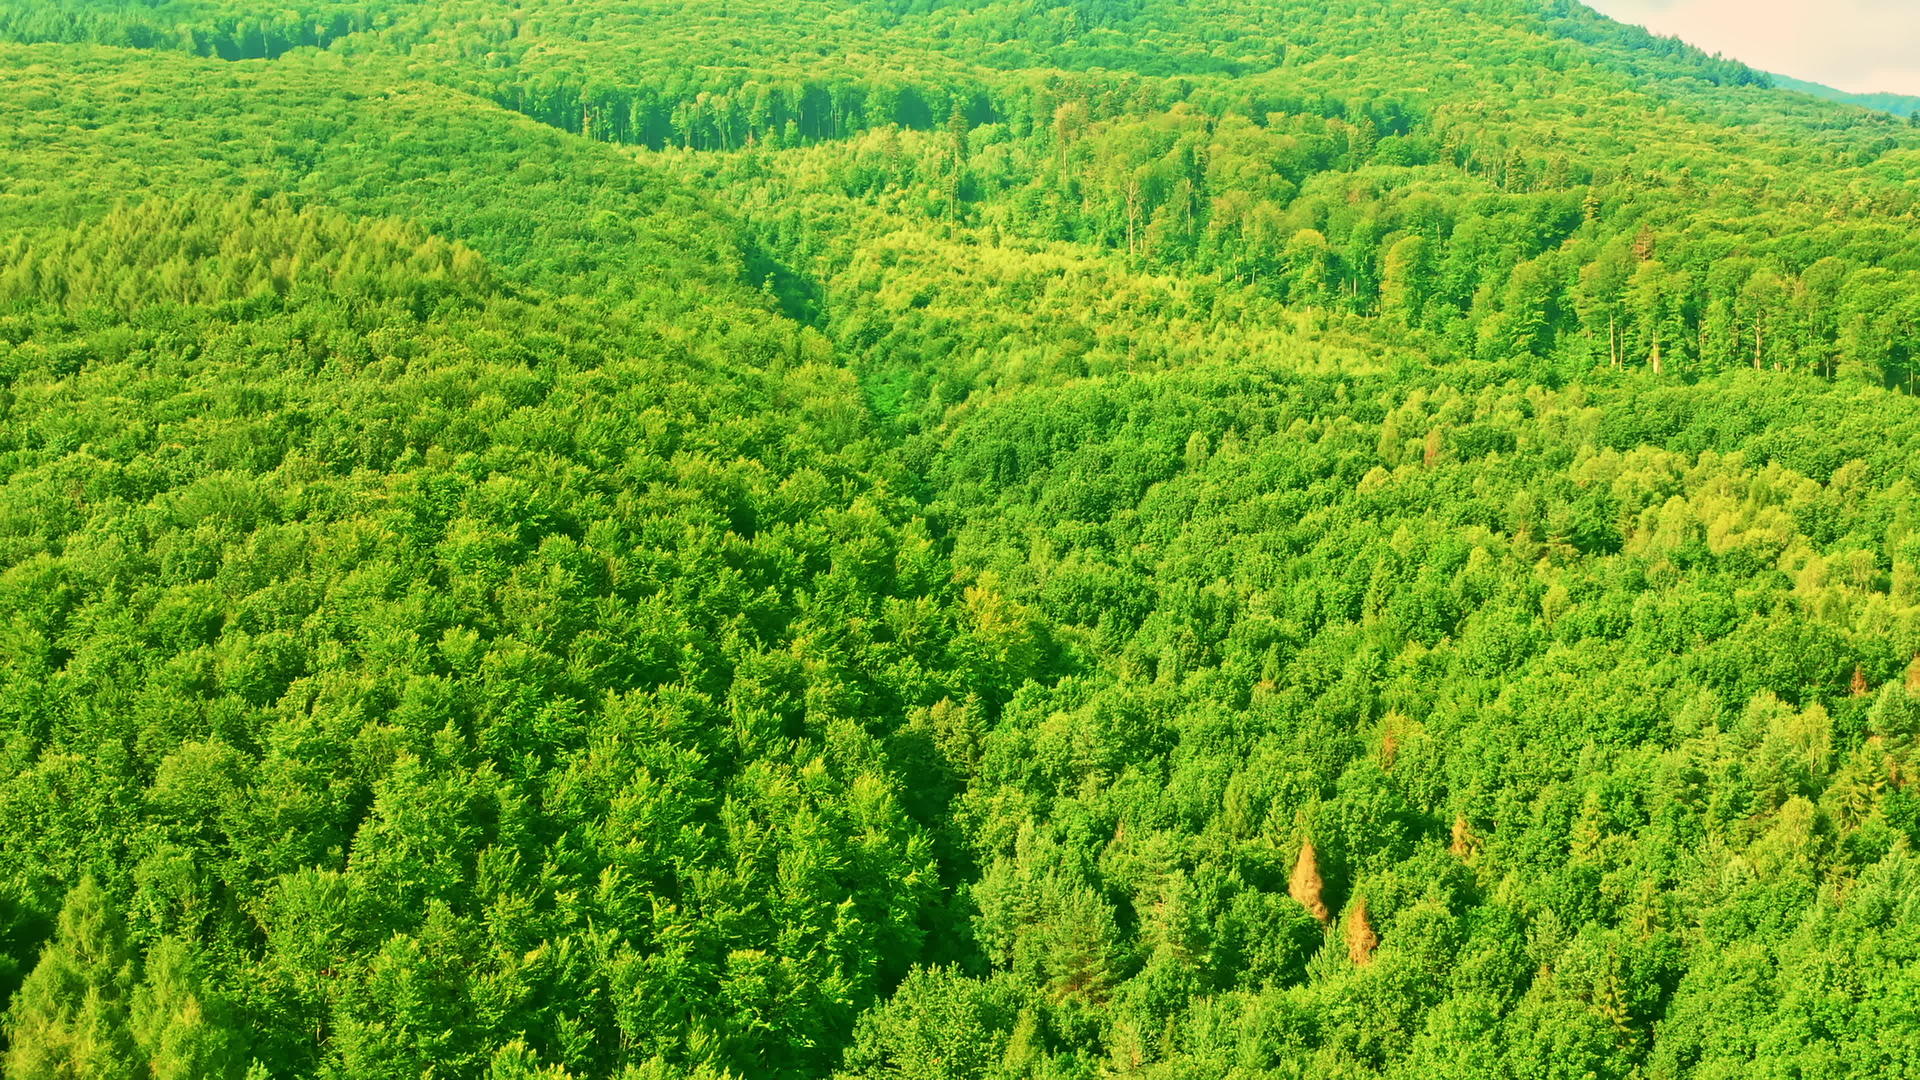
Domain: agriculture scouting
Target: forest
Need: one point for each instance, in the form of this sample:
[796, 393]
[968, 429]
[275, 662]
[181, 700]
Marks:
[950, 540]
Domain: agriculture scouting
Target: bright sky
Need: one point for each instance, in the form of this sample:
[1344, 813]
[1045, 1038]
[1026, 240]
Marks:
[1862, 46]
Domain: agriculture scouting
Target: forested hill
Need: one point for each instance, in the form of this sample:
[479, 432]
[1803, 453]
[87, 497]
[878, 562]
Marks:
[1898, 104]
[655, 539]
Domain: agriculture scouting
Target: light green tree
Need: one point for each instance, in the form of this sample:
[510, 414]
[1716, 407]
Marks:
[69, 1020]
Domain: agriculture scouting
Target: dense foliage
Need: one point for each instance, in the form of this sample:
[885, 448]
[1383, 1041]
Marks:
[949, 539]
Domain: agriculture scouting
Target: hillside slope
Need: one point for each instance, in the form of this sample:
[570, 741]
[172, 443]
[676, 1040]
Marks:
[919, 539]
[1897, 104]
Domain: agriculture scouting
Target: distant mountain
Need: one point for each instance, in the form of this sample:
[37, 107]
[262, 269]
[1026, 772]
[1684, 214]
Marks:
[1897, 104]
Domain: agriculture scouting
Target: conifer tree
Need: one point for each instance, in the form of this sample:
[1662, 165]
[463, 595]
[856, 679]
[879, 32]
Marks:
[182, 1035]
[69, 1019]
[1361, 939]
[1305, 886]
[1465, 844]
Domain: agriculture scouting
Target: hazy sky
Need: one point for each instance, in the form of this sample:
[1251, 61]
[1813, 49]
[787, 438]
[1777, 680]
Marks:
[1864, 46]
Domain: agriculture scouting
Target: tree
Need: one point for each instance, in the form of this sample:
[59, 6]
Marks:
[1645, 245]
[938, 1026]
[957, 126]
[69, 1020]
[1406, 280]
[517, 1061]
[1358, 929]
[1305, 885]
[1655, 295]
[1761, 303]
[1526, 320]
[1463, 844]
[1310, 270]
[1600, 301]
[1822, 286]
[183, 1035]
